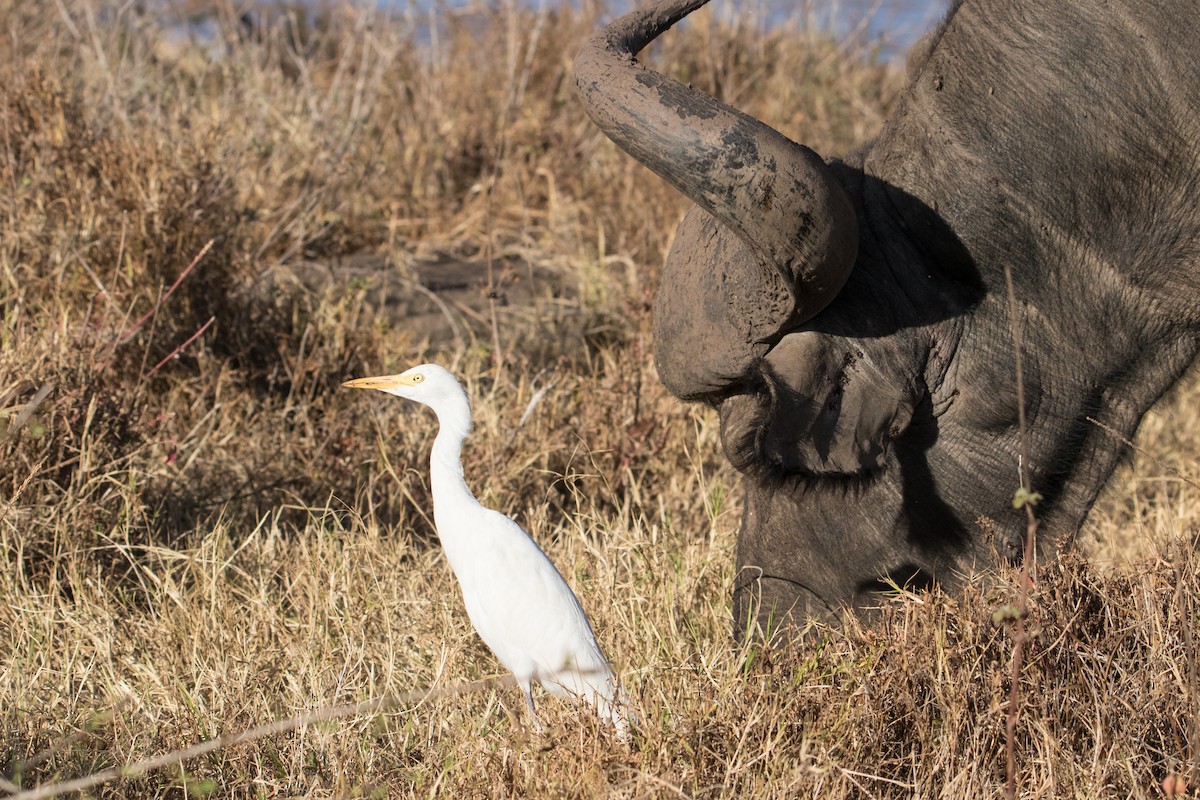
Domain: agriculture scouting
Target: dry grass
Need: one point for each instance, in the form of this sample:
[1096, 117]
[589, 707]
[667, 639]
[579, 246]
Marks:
[228, 539]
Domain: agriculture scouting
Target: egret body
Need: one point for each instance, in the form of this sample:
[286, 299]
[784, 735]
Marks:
[519, 603]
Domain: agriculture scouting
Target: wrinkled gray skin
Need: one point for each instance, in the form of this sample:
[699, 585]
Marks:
[849, 318]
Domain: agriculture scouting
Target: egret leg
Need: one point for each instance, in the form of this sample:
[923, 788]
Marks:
[526, 690]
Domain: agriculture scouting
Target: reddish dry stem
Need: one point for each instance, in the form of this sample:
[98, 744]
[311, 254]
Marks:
[132, 329]
[179, 349]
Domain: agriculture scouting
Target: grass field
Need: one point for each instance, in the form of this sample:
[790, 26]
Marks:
[200, 532]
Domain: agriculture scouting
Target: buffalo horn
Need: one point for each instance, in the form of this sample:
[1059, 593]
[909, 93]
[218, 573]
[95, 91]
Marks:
[778, 197]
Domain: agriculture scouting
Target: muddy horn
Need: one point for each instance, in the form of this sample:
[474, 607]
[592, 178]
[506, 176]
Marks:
[778, 197]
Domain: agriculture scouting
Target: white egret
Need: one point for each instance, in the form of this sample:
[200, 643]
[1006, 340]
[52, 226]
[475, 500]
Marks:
[520, 605]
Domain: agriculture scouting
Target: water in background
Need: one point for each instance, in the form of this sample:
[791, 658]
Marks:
[892, 26]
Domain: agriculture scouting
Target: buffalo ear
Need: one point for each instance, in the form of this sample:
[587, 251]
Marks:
[716, 310]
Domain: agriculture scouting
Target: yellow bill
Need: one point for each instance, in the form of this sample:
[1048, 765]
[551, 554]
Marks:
[385, 382]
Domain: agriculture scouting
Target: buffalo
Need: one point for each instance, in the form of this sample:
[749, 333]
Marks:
[850, 318]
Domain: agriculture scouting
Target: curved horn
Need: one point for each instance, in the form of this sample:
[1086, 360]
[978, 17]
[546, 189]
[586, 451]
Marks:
[778, 197]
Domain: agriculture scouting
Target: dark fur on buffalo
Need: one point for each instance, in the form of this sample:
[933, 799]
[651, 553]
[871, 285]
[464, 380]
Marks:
[850, 320]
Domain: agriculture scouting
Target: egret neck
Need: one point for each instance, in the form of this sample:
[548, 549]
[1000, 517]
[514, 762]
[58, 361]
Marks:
[446, 481]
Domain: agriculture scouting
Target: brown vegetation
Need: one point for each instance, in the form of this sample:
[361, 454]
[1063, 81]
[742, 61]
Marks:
[201, 533]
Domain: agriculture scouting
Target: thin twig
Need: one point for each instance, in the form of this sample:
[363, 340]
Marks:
[73, 737]
[1193, 679]
[66, 17]
[376, 706]
[30, 408]
[1142, 451]
[492, 289]
[179, 349]
[879, 778]
[455, 329]
[533, 403]
[1027, 574]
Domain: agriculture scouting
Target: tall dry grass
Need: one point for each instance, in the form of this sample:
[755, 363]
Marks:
[201, 534]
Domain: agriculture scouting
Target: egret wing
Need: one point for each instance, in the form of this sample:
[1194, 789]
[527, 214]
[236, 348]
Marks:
[525, 611]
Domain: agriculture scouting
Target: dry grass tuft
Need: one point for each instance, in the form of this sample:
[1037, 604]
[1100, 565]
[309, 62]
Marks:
[199, 533]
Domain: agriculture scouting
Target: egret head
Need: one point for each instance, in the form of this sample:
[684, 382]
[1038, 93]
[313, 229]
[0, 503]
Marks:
[428, 384]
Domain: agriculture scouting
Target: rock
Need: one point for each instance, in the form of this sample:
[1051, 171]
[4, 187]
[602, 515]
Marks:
[440, 299]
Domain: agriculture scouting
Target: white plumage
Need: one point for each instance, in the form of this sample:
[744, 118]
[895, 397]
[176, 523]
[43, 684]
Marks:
[520, 605]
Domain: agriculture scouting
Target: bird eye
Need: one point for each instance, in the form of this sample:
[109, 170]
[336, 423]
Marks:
[418, 378]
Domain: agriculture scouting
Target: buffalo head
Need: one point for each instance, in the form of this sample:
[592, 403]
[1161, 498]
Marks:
[849, 318]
